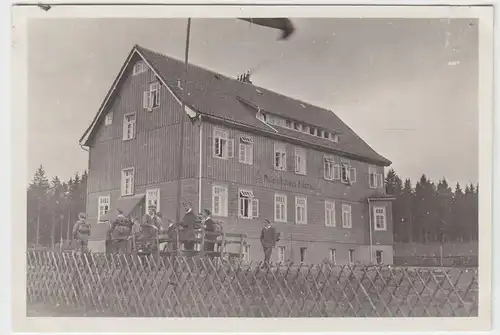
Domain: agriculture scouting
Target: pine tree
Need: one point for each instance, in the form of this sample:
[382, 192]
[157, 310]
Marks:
[393, 184]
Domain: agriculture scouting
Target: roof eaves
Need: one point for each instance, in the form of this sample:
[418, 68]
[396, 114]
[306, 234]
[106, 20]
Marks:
[86, 135]
[280, 136]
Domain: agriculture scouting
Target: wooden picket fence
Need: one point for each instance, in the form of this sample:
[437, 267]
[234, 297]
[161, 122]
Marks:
[177, 286]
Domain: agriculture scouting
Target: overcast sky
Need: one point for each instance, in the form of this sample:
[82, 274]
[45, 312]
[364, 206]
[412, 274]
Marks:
[407, 87]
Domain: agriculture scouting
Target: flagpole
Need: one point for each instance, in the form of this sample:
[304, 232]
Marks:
[183, 116]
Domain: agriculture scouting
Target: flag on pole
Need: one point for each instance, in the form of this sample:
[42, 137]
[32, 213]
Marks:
[283, 24]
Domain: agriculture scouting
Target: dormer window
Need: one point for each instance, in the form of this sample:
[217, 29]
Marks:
[288, 124]
[326, 134]
[296, 126]
[312, 130]
[318, 132]
[305, 129]
[335, 138]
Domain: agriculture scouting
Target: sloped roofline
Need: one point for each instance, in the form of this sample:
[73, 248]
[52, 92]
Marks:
[135, 50]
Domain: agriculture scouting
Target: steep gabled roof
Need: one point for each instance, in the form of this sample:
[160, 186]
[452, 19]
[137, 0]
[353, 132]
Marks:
[224, 98]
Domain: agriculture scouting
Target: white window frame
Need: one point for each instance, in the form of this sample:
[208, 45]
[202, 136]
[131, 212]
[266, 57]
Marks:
[381, 256]
[329, 168]
[382, 214]
[108, 120]
[346, 210]
[130, 178]
[349, 172]
[154, 94]
[153, 200]
[351, 256]
[246, 195]
[332, 256]
[246, 150]
[282, 205]
[220, 192]
[303, 220]
[102, 202]
[330, 220]
[222, 145]
[139, 67]
[300, 161]
[281, 254]
[279, 152]
[378, 178]
[129, 122]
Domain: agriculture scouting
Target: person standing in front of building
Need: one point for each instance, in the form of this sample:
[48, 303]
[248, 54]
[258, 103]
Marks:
[268, 239]
[188, 224]
[81, 232]
[119, 232]
[150, 227]
[210, 227]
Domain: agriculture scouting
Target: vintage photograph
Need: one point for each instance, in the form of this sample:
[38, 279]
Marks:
[253, 167]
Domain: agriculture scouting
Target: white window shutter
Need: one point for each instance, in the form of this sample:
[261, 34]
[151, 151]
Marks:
[250, 154]
[353, 174]
[380, 180]
[230, 148]
[145, 100]
[336, 172]
[215, 146]
[124, 131]
[255, 208]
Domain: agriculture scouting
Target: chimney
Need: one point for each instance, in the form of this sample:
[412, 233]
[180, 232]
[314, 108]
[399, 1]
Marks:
[245, 77]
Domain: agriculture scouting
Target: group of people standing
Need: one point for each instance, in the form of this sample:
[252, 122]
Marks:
[122, 228]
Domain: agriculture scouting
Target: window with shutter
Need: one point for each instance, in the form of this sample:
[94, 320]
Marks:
[223, 146]
[245, 204]
[154, 95]
[345, 171]
[328, 168]
[279, 156]
[300, 161]
[336, 172]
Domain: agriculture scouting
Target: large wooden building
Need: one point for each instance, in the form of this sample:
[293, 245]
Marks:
[263, 156]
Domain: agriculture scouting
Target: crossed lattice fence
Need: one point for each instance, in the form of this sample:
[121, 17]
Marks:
[167, 286]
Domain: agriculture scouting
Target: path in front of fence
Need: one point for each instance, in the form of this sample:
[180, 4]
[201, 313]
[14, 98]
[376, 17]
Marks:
[147, 286]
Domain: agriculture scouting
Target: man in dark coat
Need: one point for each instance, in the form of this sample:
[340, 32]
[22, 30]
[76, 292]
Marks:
[210, 227]
[188, 224]
[268, 239]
